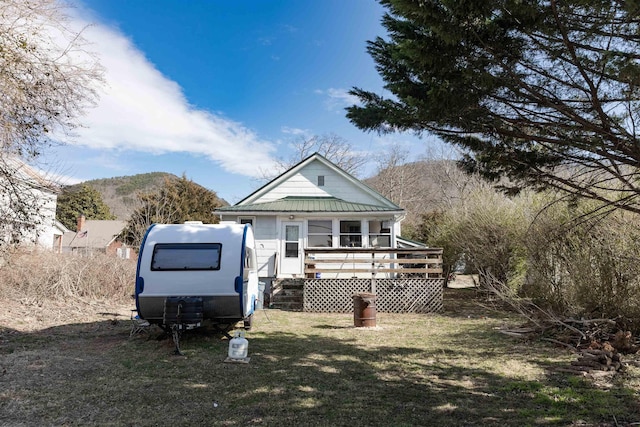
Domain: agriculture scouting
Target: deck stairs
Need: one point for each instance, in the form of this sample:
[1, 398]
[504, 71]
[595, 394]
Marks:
[287, 294]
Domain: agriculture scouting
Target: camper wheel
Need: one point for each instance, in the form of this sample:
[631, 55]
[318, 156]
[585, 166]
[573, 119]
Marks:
[248, 322]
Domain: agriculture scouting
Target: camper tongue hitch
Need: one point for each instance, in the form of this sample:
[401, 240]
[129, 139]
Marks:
[180, 314]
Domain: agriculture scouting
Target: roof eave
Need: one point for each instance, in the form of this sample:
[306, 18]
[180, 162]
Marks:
[309, 213]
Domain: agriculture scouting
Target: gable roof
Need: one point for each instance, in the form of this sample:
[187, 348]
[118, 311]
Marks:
[15, 168]
[59, 229]
[303, 203]
[94, 234]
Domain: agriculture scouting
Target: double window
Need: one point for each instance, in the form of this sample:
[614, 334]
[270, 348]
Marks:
[320, 233]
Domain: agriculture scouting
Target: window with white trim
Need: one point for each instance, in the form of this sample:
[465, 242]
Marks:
[379, 234]
[351, 234]
[246, 220]
[319, 233]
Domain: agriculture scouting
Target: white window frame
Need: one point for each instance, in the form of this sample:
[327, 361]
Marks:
[373, 235]
[251, 218]
[341, 233]
[330, 233]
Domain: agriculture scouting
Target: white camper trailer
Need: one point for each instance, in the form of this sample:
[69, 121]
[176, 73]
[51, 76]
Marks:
[214, 264]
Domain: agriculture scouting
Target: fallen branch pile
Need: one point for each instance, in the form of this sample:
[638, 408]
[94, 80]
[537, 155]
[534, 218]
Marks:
[599, 349]
[599, 343]
[596, 360]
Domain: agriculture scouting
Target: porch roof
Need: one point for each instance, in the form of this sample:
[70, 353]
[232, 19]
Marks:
[307, 204]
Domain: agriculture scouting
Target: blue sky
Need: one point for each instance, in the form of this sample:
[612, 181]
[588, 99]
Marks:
[218, 89]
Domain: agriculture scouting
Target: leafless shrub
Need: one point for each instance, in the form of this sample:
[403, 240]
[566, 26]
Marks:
[485, 231]
[335, 148]
[560, 328]
[42, 275]
[584, 262]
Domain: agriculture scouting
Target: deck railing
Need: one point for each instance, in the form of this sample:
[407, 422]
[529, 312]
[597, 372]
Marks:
[373, 263]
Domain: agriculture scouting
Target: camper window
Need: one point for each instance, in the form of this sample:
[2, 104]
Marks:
[186, 256]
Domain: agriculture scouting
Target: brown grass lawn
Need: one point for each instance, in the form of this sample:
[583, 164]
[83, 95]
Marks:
[75, 365]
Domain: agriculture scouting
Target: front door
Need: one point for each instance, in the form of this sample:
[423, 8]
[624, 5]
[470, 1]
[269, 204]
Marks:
[291, 250]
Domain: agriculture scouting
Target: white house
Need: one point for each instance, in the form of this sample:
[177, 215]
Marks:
[315, 204]
[27, 206]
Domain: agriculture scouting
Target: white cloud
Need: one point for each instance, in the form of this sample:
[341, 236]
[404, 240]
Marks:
[295, 131]
[338, 99]
[142, 110]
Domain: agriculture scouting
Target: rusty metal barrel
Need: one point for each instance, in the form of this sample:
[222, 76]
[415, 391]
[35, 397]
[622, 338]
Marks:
[364, 309]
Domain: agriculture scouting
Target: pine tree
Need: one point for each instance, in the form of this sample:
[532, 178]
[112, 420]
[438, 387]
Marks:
[544, 93]
[86, 201]
[179, 200]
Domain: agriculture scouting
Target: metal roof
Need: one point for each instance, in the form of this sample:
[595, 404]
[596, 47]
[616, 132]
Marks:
[307, 204]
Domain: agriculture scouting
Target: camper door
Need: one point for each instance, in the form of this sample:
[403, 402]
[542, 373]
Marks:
[250, 281]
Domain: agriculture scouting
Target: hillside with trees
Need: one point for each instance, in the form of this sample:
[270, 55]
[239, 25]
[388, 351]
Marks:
[83, 199]
[420, 187]
[120, 193]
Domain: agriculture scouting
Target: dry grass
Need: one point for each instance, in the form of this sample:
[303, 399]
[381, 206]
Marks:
[75, 364]
[36, 277]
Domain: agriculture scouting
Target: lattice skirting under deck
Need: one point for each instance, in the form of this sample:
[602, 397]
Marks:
[394, 295]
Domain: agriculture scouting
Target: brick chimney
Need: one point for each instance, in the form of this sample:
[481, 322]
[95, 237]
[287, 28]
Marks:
[81, 220]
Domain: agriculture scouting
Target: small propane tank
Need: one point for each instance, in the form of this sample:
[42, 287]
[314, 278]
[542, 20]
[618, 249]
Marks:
[238, 346]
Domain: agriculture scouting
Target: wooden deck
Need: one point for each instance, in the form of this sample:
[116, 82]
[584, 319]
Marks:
[373, 263]
[404, 280]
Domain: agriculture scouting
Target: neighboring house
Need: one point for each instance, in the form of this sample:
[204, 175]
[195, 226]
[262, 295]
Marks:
[58, 237]
[27, 206]
[96, 236]
[315, 204]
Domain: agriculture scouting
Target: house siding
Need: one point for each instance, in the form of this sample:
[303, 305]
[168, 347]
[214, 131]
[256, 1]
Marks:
[42, 217]
[305, 183]
[266, 236]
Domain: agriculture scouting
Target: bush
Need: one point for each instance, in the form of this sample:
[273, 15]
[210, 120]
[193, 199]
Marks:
[485, 232]
[571, 258]
[585, 265]
[44, 275]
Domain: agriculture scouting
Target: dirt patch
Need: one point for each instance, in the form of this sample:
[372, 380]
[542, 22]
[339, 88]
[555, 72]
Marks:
[462, 281]
[25, 316]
